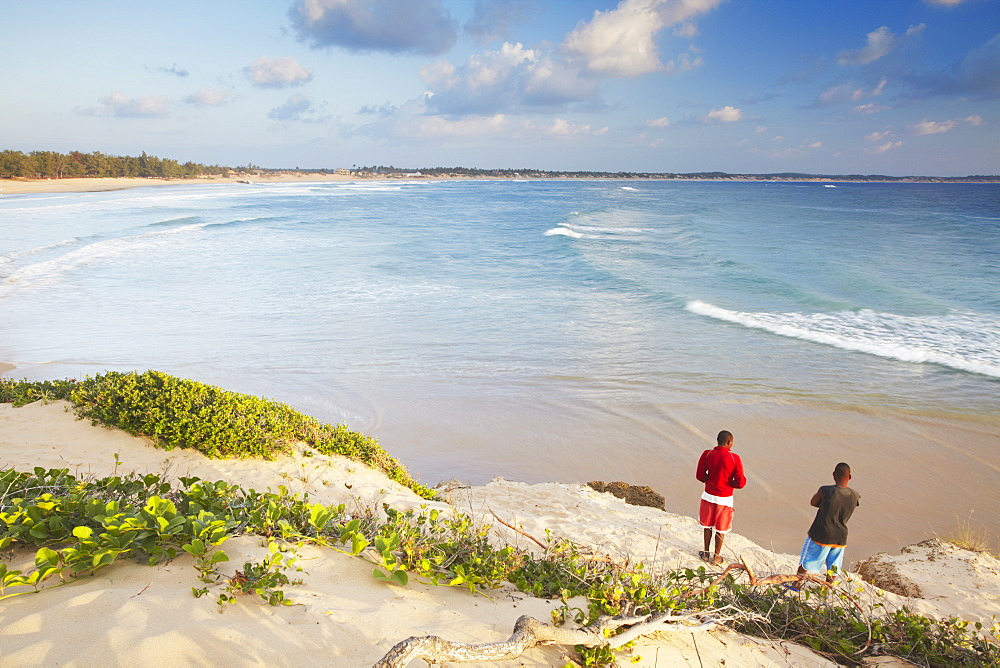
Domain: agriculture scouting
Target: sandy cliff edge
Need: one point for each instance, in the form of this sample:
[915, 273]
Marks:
[144, 615]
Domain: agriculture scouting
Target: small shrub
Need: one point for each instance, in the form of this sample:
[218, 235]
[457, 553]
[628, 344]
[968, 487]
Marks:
[178, 413]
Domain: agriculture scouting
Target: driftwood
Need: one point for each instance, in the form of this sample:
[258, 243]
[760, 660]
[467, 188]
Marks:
[529, 633]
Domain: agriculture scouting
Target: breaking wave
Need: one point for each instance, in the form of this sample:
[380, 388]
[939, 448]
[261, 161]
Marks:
[964, 341]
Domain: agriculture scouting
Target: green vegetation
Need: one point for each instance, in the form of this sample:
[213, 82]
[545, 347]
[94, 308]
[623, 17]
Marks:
[53, 165]
[177, 413]
[473, 172]
[80, 527]
[838, 625]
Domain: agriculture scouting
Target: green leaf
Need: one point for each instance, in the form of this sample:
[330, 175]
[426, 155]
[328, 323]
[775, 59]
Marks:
[46, 557]
[399, 577]
[358, 543]
[195, 548]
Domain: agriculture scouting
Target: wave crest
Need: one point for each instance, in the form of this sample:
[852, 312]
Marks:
[964, 341]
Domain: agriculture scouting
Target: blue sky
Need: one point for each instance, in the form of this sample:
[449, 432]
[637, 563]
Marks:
[853, 86]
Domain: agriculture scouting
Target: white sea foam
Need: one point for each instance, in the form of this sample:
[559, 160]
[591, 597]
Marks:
[965, 341]
[594, 231]
[98, 251]
[627, 188]
[564, 231]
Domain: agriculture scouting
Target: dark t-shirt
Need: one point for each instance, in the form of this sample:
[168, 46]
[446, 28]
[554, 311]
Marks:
[835, 508]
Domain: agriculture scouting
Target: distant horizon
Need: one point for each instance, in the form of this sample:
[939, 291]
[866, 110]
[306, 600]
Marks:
[49, 164]
[643, 86]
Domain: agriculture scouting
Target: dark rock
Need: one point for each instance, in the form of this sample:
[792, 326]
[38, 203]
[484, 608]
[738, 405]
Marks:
[637, 495]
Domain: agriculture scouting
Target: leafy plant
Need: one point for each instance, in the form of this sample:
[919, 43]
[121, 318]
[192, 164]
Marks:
[179, 413]
[80, 527]
[262, 578]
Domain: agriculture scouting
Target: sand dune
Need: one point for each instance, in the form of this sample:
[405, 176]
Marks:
[140, 615]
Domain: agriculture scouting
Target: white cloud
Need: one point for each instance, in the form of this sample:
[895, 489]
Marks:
[841, 93]
[510, 79]
[556, 83]
[888, 146]
[144, 106]
[438, 74]
[207, 97]
[815, 144]
[487, 69]
[945, 3]
[881, 42]
[472, 126]
[878, 136]
[268, 72]
[870, 108]
[411, 26]
[659, 122]
[727, 114]
[848, 92]
[929, 127]
[563, 128]
[621, 42]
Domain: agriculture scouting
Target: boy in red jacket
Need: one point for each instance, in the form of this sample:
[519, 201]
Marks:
[722, 472]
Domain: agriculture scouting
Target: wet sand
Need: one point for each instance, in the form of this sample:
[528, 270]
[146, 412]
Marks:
[918, 475]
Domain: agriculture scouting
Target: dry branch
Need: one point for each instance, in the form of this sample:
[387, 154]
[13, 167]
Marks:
[755, 581]
[529, 633]
[523, 533]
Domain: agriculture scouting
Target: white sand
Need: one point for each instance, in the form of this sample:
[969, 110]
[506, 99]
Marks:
[139, 615]
[88, 184]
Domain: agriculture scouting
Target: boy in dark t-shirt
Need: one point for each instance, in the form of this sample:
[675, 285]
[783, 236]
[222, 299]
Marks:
[823, 550]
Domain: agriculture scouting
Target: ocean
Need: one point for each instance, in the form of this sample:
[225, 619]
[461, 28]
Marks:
[564, 330]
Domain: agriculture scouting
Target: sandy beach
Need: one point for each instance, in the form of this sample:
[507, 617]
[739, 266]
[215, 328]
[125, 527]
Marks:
[70, 185]
[134, 614]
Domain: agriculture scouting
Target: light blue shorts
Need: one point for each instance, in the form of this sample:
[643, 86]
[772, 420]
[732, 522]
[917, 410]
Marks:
[821, 559]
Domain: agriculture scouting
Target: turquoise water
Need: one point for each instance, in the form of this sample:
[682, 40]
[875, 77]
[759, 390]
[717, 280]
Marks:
[536, 329]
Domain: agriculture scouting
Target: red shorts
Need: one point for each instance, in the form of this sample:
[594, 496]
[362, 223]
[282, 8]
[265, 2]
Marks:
[713, 515]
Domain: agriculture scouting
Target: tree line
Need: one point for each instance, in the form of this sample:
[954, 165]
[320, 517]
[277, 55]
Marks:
[53, 165]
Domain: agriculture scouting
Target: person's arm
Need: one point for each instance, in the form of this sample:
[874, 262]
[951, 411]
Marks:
[739, 481]
[702, 473]
[817, 499]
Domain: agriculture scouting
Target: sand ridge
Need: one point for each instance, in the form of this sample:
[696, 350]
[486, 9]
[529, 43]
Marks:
[140, 615]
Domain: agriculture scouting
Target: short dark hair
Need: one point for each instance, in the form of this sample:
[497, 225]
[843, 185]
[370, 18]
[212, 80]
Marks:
[841, 471]
[723, 437]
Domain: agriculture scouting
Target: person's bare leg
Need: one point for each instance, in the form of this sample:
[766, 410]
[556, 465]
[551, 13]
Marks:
[708, 541]
[717, 559]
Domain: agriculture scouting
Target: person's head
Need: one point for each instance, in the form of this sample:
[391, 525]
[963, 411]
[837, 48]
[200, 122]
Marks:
[724, 439]
[842, 474]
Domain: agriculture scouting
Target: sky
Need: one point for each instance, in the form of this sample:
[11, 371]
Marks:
[895, 87]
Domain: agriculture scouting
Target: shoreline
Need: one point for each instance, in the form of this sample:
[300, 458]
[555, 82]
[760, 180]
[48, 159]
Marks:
[20, 186]
[106, 184]
[789, 451]
[143, 614]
